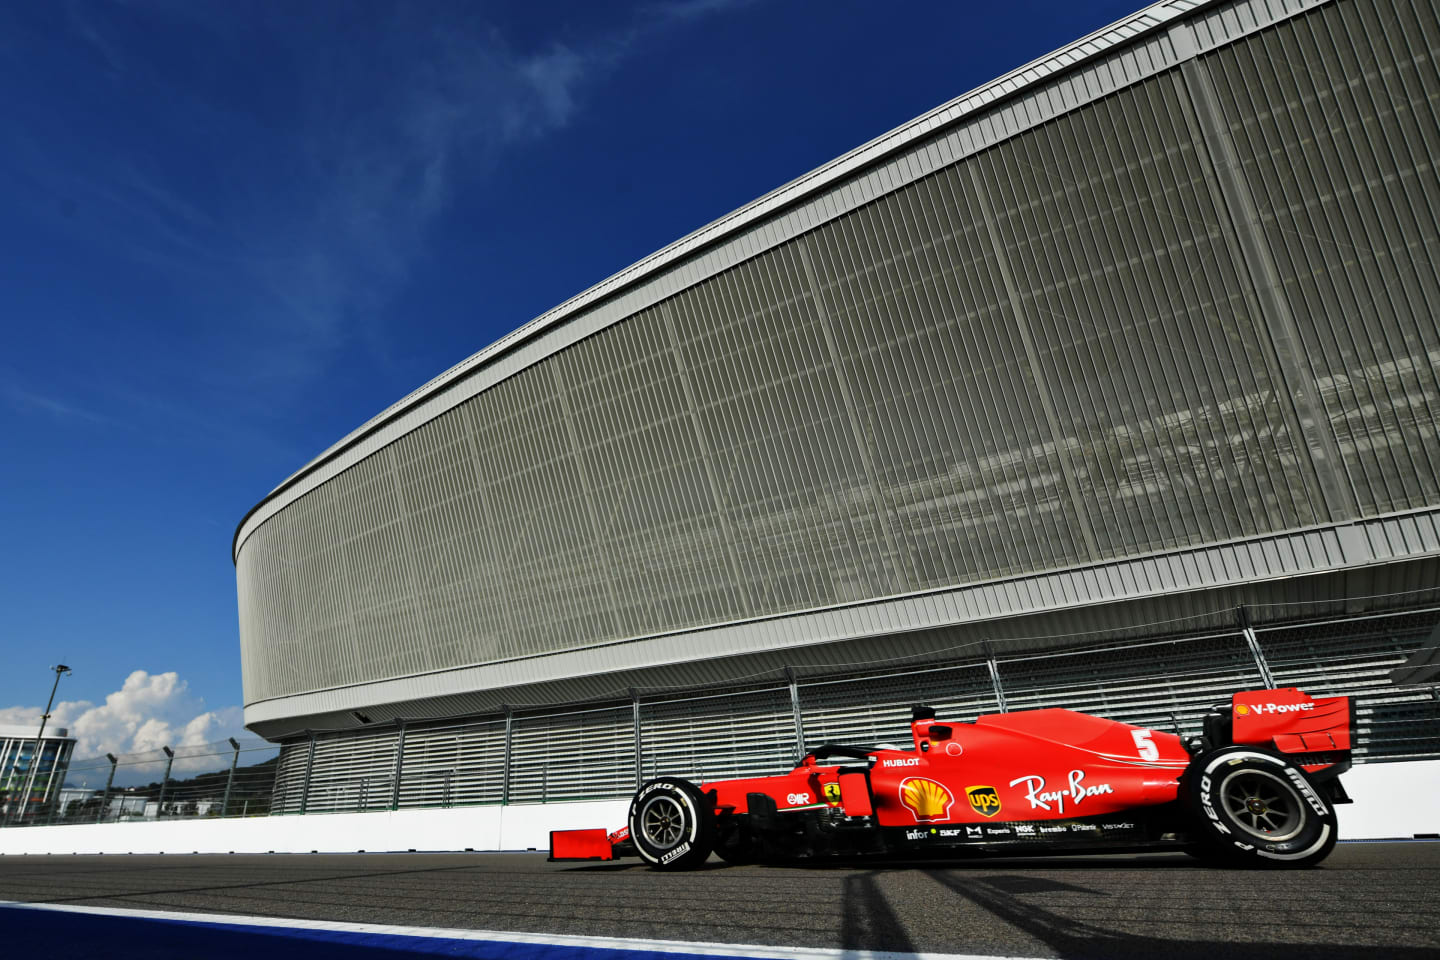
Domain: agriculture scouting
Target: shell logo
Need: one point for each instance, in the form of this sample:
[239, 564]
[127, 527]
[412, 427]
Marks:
[1241, 710]
[926, 799]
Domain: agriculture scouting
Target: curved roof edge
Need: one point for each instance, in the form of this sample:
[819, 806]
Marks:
[1106, 39]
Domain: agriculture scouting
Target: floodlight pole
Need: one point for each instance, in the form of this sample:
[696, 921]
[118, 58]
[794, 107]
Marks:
[60, 671]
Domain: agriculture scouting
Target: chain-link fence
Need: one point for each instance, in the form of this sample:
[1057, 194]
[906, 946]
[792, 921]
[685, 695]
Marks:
[1165, 680]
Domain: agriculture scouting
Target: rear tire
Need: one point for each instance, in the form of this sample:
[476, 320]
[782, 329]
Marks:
[672, 824]
[1256, 809]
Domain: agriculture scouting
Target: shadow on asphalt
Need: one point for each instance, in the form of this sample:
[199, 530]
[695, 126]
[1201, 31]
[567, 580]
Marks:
[1073, 938]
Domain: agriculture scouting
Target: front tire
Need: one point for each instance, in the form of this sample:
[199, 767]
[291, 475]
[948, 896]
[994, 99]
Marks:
[1254, 808]
[672, 824]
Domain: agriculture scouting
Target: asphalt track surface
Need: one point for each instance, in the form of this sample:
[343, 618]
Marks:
[1370, 900]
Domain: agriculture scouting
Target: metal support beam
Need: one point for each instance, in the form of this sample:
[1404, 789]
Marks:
[635, 716]
[505, 778]
[707, 458]
[164, 782]
[1243, 616]
[598, 530]
[399, 764]
[795, 708]
[230, 780]
[898, 552]
[309, 766]
[1305, 404]
[1058, 436]
[994, 666]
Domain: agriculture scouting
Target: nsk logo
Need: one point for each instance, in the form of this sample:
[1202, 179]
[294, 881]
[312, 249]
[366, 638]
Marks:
[910, 762]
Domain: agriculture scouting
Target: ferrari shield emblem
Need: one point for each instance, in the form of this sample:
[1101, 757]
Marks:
[832, 794]
[983, 800]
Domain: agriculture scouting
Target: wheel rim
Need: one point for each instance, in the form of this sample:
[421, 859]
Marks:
[1263, 805]
[662, 821]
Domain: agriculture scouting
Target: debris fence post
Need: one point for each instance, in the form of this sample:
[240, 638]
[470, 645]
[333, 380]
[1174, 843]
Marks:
[164, 782]
[109, 782]
[230, 780]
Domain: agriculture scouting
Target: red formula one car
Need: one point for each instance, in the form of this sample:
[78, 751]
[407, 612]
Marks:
[1258, 789]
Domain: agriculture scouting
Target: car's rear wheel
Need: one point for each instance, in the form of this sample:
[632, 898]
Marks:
[1254, 808]
[671, 824]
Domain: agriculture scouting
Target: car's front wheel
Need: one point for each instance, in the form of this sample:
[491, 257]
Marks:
[671, 824]
[1254, 808]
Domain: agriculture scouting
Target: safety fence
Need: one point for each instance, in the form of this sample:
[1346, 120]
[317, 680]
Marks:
[228, 778]
[1166, 682]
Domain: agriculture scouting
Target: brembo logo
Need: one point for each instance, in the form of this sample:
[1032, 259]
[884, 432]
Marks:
[1244, 710]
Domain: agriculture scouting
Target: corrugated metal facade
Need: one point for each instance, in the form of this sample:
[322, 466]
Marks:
[1181, 295]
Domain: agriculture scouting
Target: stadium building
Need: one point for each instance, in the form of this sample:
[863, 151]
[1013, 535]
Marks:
[1110, 384]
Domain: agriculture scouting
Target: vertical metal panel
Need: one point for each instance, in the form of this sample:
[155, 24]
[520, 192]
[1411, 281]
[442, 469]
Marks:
[1335, 118]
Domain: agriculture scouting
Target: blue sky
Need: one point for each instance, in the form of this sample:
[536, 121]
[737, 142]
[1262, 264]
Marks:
[234, 231]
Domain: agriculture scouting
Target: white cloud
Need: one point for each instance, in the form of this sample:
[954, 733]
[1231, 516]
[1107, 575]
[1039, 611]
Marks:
[148, 712]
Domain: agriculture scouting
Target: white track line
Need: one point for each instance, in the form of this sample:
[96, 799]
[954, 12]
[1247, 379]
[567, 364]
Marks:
[501, 936]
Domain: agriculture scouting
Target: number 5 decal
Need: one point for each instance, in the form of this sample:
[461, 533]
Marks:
[1146, 746]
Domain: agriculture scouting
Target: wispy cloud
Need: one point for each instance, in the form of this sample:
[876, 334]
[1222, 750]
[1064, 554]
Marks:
[290, 220]
[27, 401]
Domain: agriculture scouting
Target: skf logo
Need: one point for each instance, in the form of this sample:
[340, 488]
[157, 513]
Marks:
[1241, 710]
[983, 800]
[832, 794]
[925, 799]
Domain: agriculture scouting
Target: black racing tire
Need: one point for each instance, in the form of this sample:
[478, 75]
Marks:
[1253, 808]
[672, 824]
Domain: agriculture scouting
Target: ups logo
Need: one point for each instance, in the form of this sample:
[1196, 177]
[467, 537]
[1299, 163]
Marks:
[983, 800]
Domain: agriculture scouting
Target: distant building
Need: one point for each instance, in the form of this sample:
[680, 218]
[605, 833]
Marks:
[17, 751]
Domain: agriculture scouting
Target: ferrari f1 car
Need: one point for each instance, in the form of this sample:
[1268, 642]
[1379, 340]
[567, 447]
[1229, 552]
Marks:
[1259, 788]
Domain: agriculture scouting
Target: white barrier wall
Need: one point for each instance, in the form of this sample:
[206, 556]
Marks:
[1391, 800]
[514, 827]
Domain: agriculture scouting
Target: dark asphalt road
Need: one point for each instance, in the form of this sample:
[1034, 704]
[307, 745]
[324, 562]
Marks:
[1372, 900]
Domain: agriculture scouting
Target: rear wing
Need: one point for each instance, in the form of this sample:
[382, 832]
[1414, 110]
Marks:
[1316, 730]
